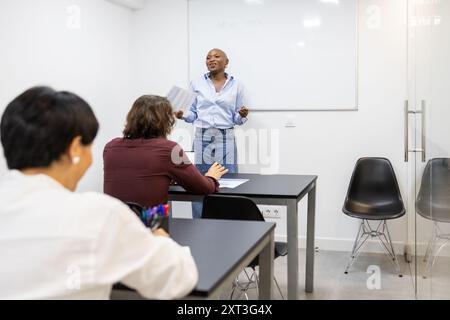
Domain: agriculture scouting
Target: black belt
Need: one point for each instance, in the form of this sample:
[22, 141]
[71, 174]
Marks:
[222, 130]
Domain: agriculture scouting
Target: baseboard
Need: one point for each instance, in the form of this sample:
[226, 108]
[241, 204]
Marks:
[183, 210]
[345, 245]
[371, 246]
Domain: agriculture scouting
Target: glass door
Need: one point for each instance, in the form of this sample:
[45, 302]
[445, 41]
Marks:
[428, 115]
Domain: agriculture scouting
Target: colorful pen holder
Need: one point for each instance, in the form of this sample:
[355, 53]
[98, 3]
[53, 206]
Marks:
[156, 217]
[152, 217]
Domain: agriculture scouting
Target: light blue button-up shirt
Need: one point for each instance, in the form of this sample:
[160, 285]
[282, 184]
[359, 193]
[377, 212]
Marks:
[213, 109]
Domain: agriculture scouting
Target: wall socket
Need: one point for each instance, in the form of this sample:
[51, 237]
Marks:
[272, 212]
[276, 214]
[289, 124]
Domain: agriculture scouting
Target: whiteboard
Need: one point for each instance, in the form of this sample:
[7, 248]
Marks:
[288, 54]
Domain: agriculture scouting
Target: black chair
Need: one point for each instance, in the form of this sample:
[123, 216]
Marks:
[433, 203]
[135, 207]
[239, 208]
[373, 195]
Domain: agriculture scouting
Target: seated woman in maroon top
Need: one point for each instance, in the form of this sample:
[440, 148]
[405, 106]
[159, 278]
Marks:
[140, 166]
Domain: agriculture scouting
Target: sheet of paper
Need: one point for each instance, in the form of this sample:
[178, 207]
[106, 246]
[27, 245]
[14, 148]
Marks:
[231, 183]
[181, 99]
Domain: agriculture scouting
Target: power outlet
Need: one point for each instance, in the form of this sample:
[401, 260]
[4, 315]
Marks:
[271, 212]
[289, 124]
[276, 214]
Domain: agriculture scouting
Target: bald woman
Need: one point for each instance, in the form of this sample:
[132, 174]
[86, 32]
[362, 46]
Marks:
[219, 106]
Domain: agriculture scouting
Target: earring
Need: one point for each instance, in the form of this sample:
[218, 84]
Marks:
[76, 160]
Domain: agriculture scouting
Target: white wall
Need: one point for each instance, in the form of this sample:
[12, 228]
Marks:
[118, 55]
[323, 143]
[41, 44]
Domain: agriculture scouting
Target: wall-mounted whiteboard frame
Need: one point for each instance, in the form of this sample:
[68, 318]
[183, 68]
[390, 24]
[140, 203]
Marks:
[353, 106]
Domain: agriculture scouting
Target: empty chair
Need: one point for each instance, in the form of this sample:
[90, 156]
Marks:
[373, 195]
[433, 203]
[239, 208]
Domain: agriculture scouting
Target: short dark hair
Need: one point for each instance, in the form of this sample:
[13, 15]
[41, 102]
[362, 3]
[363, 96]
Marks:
[149, 117]
[38, 126]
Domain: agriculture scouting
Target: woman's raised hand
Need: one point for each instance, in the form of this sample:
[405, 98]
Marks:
[216, 171]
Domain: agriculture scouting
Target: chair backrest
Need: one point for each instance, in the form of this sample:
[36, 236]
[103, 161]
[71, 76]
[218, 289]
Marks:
[236, 208]
[373, 185]
[230, 208]
[135, 207]
[433, 198]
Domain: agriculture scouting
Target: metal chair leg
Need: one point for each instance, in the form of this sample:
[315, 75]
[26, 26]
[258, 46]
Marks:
[382, 233]
[242, 287]
[256, 281]
[234, 286]
[429, 246]
[356, 246]
[279, 289]
[433, 253]
[274, 279]
[432, 259]
[249, 277]
[397, 265]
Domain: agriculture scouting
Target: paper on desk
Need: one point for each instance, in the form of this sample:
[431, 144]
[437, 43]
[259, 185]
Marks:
[231, 183]
[181, 99]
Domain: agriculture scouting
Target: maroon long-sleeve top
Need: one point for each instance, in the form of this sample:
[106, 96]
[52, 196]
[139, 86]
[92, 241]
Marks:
[141, 170]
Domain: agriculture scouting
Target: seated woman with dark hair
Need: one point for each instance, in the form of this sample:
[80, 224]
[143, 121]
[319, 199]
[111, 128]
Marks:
[58, 244]
[140, 166]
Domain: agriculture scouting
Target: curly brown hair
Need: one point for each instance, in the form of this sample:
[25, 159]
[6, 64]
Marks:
[150, 117]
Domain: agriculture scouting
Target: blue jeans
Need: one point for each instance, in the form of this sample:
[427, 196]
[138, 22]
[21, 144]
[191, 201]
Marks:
[213, 145]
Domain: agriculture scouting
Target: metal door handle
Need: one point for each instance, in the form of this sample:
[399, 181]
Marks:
[406, 131]
[423, 147]
[424, 105]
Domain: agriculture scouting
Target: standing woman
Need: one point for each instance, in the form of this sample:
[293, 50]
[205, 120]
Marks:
[218, 108]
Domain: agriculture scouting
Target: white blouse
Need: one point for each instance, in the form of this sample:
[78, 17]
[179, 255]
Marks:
[57, 244]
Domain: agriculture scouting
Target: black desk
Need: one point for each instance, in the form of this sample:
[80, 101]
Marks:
[285, 190]
[221, 250]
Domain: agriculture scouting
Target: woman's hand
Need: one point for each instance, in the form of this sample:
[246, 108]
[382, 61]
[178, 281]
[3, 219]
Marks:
[160, 233]
[178, 114]
[243, 112]
[216, 171]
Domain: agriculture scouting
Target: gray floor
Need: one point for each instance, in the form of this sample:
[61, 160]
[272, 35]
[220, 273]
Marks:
[330, 282]
[435, 285]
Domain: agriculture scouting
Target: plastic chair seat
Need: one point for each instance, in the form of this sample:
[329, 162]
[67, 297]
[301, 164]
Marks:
[281, 250]
[375, 211]
[439, 211]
